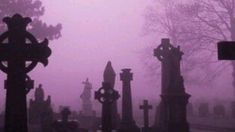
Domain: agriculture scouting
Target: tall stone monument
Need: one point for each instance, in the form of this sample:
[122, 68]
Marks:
[86, 99]
[20, 52]
[174, 99]
[106, 95]
[109, 76]
[87, 116]
[127, 122]
[39, 107]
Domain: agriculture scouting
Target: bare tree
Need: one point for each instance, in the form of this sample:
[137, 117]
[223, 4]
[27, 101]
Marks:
[196, 26]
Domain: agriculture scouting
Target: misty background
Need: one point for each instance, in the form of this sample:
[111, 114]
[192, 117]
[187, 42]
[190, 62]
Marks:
[96, 31]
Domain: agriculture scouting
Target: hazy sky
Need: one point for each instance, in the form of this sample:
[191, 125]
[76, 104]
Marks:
[94, 32]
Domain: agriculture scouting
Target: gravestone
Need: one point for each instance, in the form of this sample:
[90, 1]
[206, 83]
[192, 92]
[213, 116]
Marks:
[219, 111]
[40, 110]
[174, 99]
[20, 53]
[87, 116]
[233, 109]
[106, 95]
[110, 77]
[203, 110]
[127, 122]
[38, 106]
[1, 121]
[190, 111]
[65, 125]
[86, 99]
[146, 107]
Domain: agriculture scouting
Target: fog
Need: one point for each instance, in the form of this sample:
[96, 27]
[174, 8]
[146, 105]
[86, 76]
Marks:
[94, 32]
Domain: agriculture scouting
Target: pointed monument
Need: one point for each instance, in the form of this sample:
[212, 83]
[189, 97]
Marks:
[127, 122]
[174, 99]
[109, 76]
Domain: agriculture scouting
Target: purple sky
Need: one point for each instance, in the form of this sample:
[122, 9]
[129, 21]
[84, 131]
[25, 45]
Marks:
[94, 32]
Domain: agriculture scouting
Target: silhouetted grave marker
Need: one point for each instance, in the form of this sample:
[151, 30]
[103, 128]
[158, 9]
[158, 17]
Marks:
[190, 111]
[174, 99]
[87, 116]
[203, 110]
[40, 111]
[106, 96]
[219, 111]
[20, 52]
[64, 125]
[146, 107]
[86, 99]
[109, 76]
[226, 50]
[127, 122]
[39, 106]
[233, 109]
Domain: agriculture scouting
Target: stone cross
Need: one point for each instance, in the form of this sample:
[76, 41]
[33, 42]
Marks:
[174, 99]
[20, 52]
[226, 50]
[127, 123]
[65, 125]
[106, 95]
[146, 107]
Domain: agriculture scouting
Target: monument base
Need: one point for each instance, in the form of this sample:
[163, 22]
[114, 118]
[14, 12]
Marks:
[127, 127]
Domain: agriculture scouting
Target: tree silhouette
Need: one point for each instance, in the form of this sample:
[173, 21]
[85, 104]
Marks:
[196, 26]
[33, 9]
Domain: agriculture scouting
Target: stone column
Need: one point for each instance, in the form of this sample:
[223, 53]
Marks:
[127, 121]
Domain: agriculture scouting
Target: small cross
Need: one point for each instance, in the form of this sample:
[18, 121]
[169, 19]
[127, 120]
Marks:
[146, 107]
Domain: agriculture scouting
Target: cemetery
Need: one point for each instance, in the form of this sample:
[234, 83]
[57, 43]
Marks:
[21, 52]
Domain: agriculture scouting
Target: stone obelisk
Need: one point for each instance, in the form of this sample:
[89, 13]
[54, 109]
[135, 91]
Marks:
[109, 76]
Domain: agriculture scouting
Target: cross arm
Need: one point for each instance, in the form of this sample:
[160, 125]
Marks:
[226, 50]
